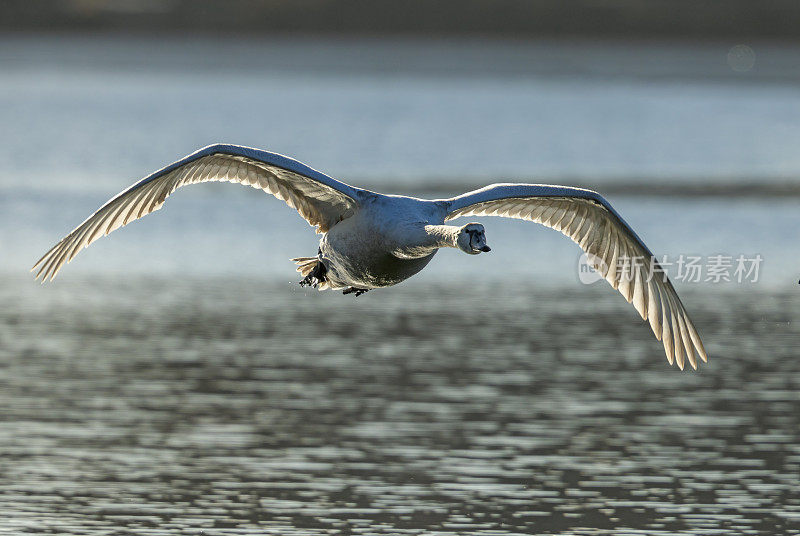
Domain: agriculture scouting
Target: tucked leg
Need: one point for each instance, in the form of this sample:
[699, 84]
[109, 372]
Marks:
[354, 290]
[315, 276]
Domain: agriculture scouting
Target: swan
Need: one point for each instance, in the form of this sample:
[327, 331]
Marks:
[371, 240]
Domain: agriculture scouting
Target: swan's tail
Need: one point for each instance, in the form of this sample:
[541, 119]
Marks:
[305, 264]
[313, 272]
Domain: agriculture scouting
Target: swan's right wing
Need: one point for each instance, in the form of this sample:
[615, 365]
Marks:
[321, 200]
[613, 248]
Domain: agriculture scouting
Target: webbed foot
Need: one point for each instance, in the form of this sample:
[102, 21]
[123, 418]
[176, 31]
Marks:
[353, 290]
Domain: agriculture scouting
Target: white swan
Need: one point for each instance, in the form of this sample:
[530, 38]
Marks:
[370, 240]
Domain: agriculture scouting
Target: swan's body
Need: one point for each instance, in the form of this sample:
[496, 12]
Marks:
[352, 259]
[389, 239]
[371, 240]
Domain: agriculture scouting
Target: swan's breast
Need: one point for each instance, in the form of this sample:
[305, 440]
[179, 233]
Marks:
[359, 249]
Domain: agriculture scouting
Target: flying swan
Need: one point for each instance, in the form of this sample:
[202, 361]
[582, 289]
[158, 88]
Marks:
[371, 240]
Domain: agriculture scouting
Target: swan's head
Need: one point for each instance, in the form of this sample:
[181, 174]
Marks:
[472, 239]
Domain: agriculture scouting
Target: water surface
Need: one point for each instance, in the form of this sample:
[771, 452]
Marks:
[176, 379]
[250, 408]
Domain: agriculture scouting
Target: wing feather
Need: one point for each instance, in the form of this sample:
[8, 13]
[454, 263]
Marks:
[614, 249]
[320, 200]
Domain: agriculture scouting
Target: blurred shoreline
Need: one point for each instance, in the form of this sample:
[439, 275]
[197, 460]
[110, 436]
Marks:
[675, 19]
[431, 57]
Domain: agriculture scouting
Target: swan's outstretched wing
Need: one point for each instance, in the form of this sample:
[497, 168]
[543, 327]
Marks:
[321, 200]
[616, 252]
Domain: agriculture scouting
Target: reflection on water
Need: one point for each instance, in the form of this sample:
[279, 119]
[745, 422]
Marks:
[251, 408]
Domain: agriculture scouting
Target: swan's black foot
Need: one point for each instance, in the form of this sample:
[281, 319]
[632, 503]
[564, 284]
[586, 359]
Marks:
[315, 277]
[353, 290]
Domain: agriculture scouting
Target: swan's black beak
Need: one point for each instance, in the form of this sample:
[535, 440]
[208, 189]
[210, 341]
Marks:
[477, 241]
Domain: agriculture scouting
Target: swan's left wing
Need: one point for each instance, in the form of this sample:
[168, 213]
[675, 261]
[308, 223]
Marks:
[321, 200]
[613, 248]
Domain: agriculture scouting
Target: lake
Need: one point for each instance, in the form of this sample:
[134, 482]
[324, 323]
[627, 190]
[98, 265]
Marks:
[176, 380]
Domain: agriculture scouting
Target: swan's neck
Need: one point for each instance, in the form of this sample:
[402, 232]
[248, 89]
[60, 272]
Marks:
[442, 236]
[433, 238]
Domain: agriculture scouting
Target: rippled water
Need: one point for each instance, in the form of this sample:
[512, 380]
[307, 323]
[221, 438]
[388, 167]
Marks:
[248, 407]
